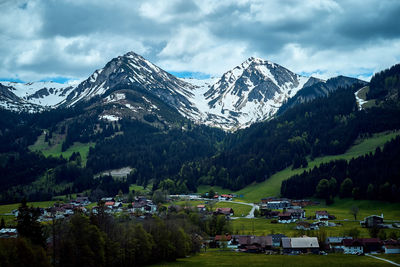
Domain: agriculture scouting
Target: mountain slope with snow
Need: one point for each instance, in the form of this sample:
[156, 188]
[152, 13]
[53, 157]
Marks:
[132, 87]
[132, 71]
[251, 92]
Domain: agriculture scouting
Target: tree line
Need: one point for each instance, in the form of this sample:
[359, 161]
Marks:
[104, 240]
[372, 176]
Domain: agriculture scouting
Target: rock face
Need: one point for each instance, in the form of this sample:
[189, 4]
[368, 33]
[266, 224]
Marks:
[132, 71]
[130, 86]
[251, 92]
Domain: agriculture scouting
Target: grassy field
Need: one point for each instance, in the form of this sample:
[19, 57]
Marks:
[227, 258]
[201, 189]
[55, 149]
[261, 226]
[139, 189]
[271, 187]
[391, 257]
[240, 210]
[8, 208]
[340, 208]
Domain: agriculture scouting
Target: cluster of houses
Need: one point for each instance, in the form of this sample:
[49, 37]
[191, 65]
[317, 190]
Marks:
[62, 210]
[140, 206]
[270, 244]
[281, 244]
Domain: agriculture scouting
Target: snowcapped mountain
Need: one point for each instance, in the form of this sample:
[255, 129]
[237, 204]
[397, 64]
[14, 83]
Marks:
[132, 71]
[130, 86]
[34, 96]
[251, 92]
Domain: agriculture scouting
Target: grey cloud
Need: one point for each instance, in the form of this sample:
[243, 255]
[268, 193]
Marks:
[118, 26]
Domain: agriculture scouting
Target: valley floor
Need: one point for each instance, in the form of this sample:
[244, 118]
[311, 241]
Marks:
[228, 258]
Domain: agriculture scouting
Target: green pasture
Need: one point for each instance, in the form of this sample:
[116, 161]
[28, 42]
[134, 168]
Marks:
[228, 258]
[240, 210]
[271, 187]
[55, 149]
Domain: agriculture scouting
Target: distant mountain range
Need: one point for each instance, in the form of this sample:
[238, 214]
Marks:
[131, 86]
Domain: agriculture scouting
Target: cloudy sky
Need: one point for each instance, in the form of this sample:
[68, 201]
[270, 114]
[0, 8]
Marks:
[69, 39]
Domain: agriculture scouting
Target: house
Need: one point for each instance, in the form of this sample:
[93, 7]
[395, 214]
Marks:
[285, 218]
[321, 214]
[225, 197]
[254, 244]
[81, 201]
[367, 245]
[351, 246]
[201, 207]
[291, 215]
[303, 203]
[270, 214]
[371, 244]
[391, 246]
[392, 249]
[335, 242]
[276, 239]
[109, 204]
[297, 213]
[303, 225]
[8, 233]
[275, 205]
[150, 208]
[221, 239]
[224, 211]
[117, 205]
[297, 245]
[372, 221]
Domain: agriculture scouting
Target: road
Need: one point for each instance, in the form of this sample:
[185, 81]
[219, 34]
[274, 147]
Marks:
[251, 213]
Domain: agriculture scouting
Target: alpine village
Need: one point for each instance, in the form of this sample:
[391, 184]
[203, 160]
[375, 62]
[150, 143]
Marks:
[138, 166]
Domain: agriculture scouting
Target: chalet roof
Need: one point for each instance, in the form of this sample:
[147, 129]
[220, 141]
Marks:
[303, 223]
[251, 240]
[351, 243]
[370, 241]
[201, 206]
[223, 237]
[300, 242]
[138, 204]
[295, 210]
[321, 212]
[286, 242]
[8, 231]
[391, 242]
[337, 239]
[109, 203]
[392, 246]
[224, 210]
[304, 242]
[277, 237]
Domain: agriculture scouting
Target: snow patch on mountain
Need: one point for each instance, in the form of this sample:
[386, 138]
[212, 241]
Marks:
[250, 92]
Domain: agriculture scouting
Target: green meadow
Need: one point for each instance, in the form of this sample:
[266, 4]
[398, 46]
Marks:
[55, 149]
[271, 187]
[8, 208]
[240, 210]
[228, 258]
